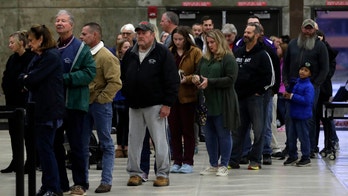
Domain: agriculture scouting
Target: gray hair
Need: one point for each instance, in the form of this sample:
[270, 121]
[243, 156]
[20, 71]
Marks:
[173, 17]
[228, 29]
[71, 17]
[128, 27]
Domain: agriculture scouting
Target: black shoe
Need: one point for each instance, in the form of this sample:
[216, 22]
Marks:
[234, 165]
[312, 155]
[277, 154]
[244, 160]
[316, 149]
[303, 163]
[290, 161]
[285, 152]
[9, 169]
[267, 159]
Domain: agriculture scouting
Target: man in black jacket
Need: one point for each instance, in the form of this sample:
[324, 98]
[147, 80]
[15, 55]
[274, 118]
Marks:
[254, 79]
[150, 85]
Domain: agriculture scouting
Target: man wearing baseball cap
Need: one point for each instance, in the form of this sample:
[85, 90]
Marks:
[308, 23]
[150, 85]
[307, 48]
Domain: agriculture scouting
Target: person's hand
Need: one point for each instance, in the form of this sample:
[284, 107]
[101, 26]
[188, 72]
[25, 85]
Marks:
[287, 95]
[203, 83]
[164, 111]
[196, 80]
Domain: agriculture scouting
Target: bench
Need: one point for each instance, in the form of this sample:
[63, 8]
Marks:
[329, 109]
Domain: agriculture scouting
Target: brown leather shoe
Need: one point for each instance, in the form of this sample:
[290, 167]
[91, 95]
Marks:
[103, 188]
[135, 181]
[119, 153]
[161, 181]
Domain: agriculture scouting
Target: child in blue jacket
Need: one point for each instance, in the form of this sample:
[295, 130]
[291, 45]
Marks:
[301, 101]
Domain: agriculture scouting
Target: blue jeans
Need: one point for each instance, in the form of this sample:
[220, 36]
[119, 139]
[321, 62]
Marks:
[100, 115]
[218, 141]
[268, 104]
[299, 129]
[251, 112]
[45, 135]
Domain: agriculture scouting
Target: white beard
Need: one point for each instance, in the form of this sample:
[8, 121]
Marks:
[306, 43]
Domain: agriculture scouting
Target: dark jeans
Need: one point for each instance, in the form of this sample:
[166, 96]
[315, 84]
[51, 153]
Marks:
[300, 130]
[251, 112]
[123, 123]
[44, 143]
[78, 138]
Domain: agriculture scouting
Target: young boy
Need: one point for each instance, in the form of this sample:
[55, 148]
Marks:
[301, 101]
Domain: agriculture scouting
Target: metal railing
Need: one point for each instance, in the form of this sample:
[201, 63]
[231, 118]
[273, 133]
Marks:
[23, 119]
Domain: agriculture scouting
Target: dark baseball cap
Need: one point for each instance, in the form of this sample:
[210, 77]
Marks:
[145, 26]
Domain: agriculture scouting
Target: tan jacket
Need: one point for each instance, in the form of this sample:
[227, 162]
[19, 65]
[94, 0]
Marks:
[188, 91]
[107, 81]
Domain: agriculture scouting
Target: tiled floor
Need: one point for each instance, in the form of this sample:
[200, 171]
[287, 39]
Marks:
[324, 178]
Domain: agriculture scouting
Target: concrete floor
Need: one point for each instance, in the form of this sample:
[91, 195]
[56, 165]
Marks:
[325, 177]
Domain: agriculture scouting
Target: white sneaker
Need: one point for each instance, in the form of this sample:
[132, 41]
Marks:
[222, 171]
[209, 170]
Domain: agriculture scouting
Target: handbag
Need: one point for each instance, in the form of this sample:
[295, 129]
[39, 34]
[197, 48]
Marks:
[201, 109]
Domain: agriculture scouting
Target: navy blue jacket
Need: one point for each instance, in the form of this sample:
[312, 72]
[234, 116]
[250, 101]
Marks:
[45, 84]
[155, 81]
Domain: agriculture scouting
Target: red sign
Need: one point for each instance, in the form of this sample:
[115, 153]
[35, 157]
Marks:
[196, 4]
[251, 3]
[336, 3]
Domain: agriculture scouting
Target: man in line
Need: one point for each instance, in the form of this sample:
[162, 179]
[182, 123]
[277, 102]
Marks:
[254, 78]
[102, 91]
[196, 29]
[78, 71]
[169, 22]
[230, 33]
[127, 32]
[150, 84]
[207, 24]
[307, 48]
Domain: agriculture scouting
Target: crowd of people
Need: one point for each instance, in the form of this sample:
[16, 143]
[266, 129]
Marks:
[147, 87]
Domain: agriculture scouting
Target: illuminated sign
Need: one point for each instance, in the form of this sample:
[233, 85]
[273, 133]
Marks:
[251, 3]
[336, 3]
[196, 4]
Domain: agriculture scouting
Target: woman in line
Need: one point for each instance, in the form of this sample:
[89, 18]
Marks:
[217, 74]
[121, 108]
[14, 96]
[181, 118]
[44, 82]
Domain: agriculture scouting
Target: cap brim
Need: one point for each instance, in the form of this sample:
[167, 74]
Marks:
[141, 29]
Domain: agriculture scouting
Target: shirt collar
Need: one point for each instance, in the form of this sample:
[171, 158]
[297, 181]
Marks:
[96, 48]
